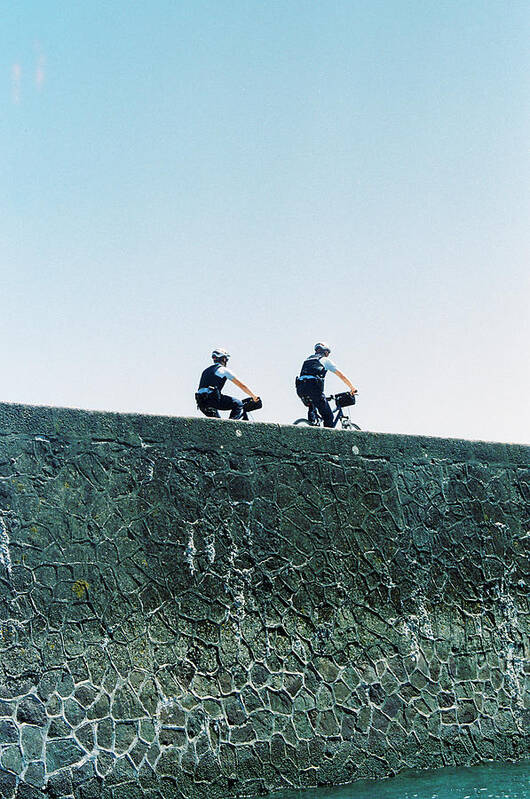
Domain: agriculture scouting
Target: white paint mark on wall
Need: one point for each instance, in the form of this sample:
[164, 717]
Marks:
[409, 631]
[239, 605]
[425, 620]
[510, 632]
[189, 554]
[5, 556]
[210, 548]
[232, 555]
[248, 532]
[150, 470]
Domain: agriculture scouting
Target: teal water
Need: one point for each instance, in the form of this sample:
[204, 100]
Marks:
[489, 781]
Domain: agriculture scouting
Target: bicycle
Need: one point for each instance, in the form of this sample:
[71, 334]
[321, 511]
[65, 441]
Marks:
[342, 400]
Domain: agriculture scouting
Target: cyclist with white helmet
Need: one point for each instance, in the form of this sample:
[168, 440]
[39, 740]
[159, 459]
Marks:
[310, 383]
[209, 398]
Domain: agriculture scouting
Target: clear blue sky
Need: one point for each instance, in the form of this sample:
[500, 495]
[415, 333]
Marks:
[259, 175]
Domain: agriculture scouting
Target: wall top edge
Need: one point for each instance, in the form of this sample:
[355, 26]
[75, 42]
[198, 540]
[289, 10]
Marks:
[262, 437]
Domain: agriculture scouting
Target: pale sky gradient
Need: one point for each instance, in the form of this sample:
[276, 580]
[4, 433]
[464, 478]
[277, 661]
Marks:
[258, 175]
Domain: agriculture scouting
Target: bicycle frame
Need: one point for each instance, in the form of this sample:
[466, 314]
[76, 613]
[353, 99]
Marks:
[338, 415]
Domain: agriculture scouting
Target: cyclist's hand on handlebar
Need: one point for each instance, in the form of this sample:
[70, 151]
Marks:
[353, 391]
[255, 398]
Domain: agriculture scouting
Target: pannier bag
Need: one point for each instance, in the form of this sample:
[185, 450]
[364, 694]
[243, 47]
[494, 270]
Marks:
[250, 405]
[344, 399]
[207, 397]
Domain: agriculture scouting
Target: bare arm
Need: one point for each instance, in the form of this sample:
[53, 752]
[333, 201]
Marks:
[244, 388]
[345, 380]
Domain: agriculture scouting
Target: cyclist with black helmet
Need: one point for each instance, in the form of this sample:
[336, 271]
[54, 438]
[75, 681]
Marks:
[209, 398]
[310, 383]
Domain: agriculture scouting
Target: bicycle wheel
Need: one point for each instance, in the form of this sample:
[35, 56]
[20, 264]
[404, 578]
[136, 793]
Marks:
[349, 425]
[303, 422]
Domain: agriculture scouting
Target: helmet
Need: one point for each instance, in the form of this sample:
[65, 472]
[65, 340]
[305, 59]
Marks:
[321, 346]
[220, 353]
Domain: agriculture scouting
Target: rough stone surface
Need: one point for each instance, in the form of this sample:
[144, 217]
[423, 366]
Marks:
[195, 608]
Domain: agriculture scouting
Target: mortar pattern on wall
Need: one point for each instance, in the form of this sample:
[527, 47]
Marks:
[192, 608]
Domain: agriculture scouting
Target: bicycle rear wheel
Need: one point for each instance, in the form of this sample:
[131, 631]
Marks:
[303, 422]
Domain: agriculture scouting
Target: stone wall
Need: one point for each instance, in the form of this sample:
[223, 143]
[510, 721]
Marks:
[194, 608]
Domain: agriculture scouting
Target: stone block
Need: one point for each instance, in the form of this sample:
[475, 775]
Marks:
[32, 739]
[61, 753]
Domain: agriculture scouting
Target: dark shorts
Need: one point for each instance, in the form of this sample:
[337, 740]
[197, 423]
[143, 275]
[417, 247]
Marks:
[211, 402]
[311, 392]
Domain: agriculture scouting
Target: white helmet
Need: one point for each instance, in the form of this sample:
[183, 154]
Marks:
[220, 353]
[321, 346]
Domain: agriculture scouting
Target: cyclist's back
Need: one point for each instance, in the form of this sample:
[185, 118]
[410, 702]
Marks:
[214, 377]
[313, 367]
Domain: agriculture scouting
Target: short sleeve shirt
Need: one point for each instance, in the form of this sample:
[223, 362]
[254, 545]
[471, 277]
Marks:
[222, 371]
[328, 364]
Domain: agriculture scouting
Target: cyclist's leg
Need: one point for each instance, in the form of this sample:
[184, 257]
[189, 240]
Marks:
[235, 406]
[325, 410]
[312, 417]
[307, 393]
[212, 412]
[207, 403]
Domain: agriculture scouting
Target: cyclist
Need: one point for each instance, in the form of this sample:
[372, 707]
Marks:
[310, 384]
[209, 398]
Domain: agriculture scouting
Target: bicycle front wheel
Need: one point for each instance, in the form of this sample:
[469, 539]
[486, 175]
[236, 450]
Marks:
[349, 425]
[303, 422]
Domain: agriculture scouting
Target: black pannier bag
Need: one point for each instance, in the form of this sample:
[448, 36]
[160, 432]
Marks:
[344, 399]
[208, 398]
[250, 405]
